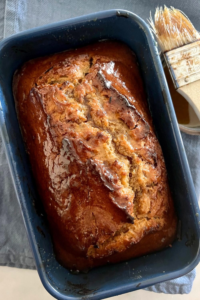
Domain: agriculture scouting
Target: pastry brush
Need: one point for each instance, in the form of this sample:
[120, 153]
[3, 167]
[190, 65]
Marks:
[180, 43]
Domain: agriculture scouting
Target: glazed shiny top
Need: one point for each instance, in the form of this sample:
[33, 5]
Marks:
[97, 163]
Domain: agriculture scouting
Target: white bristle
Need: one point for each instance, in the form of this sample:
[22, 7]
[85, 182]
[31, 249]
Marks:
[172, 28]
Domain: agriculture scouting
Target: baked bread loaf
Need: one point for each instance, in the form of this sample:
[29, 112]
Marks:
[96, 161]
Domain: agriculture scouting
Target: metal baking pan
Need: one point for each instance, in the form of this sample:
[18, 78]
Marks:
[140, 272]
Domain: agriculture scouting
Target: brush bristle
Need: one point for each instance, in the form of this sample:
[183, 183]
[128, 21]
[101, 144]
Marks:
[172, 28]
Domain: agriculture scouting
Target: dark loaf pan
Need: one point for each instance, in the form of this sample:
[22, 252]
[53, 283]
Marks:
[140, 272]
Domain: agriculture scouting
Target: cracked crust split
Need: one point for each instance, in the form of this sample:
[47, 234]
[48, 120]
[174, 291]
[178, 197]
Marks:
[97, 163]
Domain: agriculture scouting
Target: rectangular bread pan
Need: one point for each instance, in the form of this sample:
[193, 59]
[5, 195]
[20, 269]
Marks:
[140, 272]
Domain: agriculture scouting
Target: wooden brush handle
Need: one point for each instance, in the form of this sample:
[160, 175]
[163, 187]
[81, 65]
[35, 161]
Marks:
[191, 92]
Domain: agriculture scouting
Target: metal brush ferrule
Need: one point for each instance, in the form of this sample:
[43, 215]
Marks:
[184, 64]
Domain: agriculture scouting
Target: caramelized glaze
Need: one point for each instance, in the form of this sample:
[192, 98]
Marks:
[181, 106]
[97, 163]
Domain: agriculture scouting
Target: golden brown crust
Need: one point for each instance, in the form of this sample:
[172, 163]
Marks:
[97, 164]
